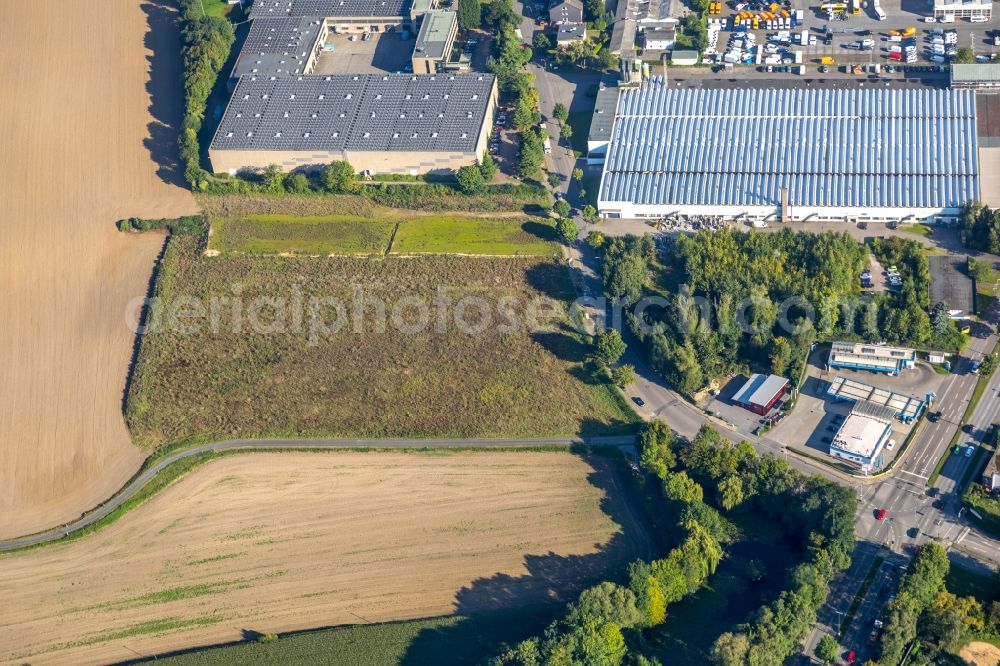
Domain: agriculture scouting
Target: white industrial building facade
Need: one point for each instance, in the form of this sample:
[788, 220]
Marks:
[795, 154]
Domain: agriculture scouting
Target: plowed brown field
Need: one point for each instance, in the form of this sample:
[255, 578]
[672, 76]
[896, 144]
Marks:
[271, 542]
[89, 91]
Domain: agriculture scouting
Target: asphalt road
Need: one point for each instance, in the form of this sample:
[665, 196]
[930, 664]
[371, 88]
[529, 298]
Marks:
[624, 442]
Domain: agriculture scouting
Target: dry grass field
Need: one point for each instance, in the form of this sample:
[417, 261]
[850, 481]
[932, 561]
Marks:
[85, 140]
[271, 542]
[281, 367]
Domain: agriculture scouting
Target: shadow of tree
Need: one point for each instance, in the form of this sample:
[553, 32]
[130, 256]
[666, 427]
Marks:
[165, 89]
[551, 578]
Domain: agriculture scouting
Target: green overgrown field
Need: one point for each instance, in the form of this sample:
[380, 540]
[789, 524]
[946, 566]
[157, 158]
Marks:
[276, 234]
[345, 235]
[305, 353]
[751, 574]
[476, 236]
[444, 640]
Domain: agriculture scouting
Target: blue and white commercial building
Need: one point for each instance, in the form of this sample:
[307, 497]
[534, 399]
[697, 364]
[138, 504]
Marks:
[873, 358]
[794, 154]
[863, 435]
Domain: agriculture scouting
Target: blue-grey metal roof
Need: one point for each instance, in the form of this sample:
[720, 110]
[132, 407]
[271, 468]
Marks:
[329, 8]
[861, 147]
[278, 46]
[430, 112]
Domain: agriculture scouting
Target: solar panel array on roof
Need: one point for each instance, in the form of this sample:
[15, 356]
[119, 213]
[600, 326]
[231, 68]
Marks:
[363, 112]
[278, 46]
[329, 8]
[840, 147]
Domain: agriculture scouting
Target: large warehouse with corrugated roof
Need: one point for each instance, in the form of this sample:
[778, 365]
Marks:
[389, 123]
[790, 153]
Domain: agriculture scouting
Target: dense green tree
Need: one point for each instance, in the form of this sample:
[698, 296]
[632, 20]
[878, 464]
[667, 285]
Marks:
[541, 41]
[339, 176]
[940, 321]
[608, 602]
[567, 229]
[730, 492]
[609, 347]
[566, 132]
[625, 269]
[828, 649]
[469, 14]
[297, 183]
[470, 179]
[560, 112]
[488, 168]
[656, 448]
[623, 375]
[949, 618]
[965, 56]
[562, 208]
[595, 239]
[589, 213]
[679, 487]
[530, 155]
[577, 174]
[900, 628]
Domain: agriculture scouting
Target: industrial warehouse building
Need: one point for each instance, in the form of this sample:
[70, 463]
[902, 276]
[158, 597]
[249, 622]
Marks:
[873, 358]
[863, 434]
[342, 16]
[761, 392]
[791, 154]
[391, 123]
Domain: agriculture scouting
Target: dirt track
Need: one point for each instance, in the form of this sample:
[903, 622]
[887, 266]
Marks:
[84, 142]
[272, 542]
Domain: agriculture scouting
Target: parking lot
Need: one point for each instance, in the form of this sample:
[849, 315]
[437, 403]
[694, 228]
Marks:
[857, 28]
[382, 52]
[741, 419]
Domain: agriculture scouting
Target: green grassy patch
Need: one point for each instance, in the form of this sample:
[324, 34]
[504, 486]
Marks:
[918, 229]
[336, 348]
[158, 626]
[287, 234]
[216, 7]
[475, 236]
[354, 235]
[443, 640]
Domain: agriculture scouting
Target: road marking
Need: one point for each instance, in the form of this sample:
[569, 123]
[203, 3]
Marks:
[904, 471]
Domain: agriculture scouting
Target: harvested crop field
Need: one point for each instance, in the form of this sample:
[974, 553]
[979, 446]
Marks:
[351, 347]
[269, 542]
[86, 135]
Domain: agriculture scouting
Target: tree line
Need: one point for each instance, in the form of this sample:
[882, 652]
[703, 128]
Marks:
[752, 300]
[925, 617]
[695, 484]
[205, 45]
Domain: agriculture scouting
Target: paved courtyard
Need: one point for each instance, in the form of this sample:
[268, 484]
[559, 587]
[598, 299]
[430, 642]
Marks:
[384, 52]
[816, 417]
